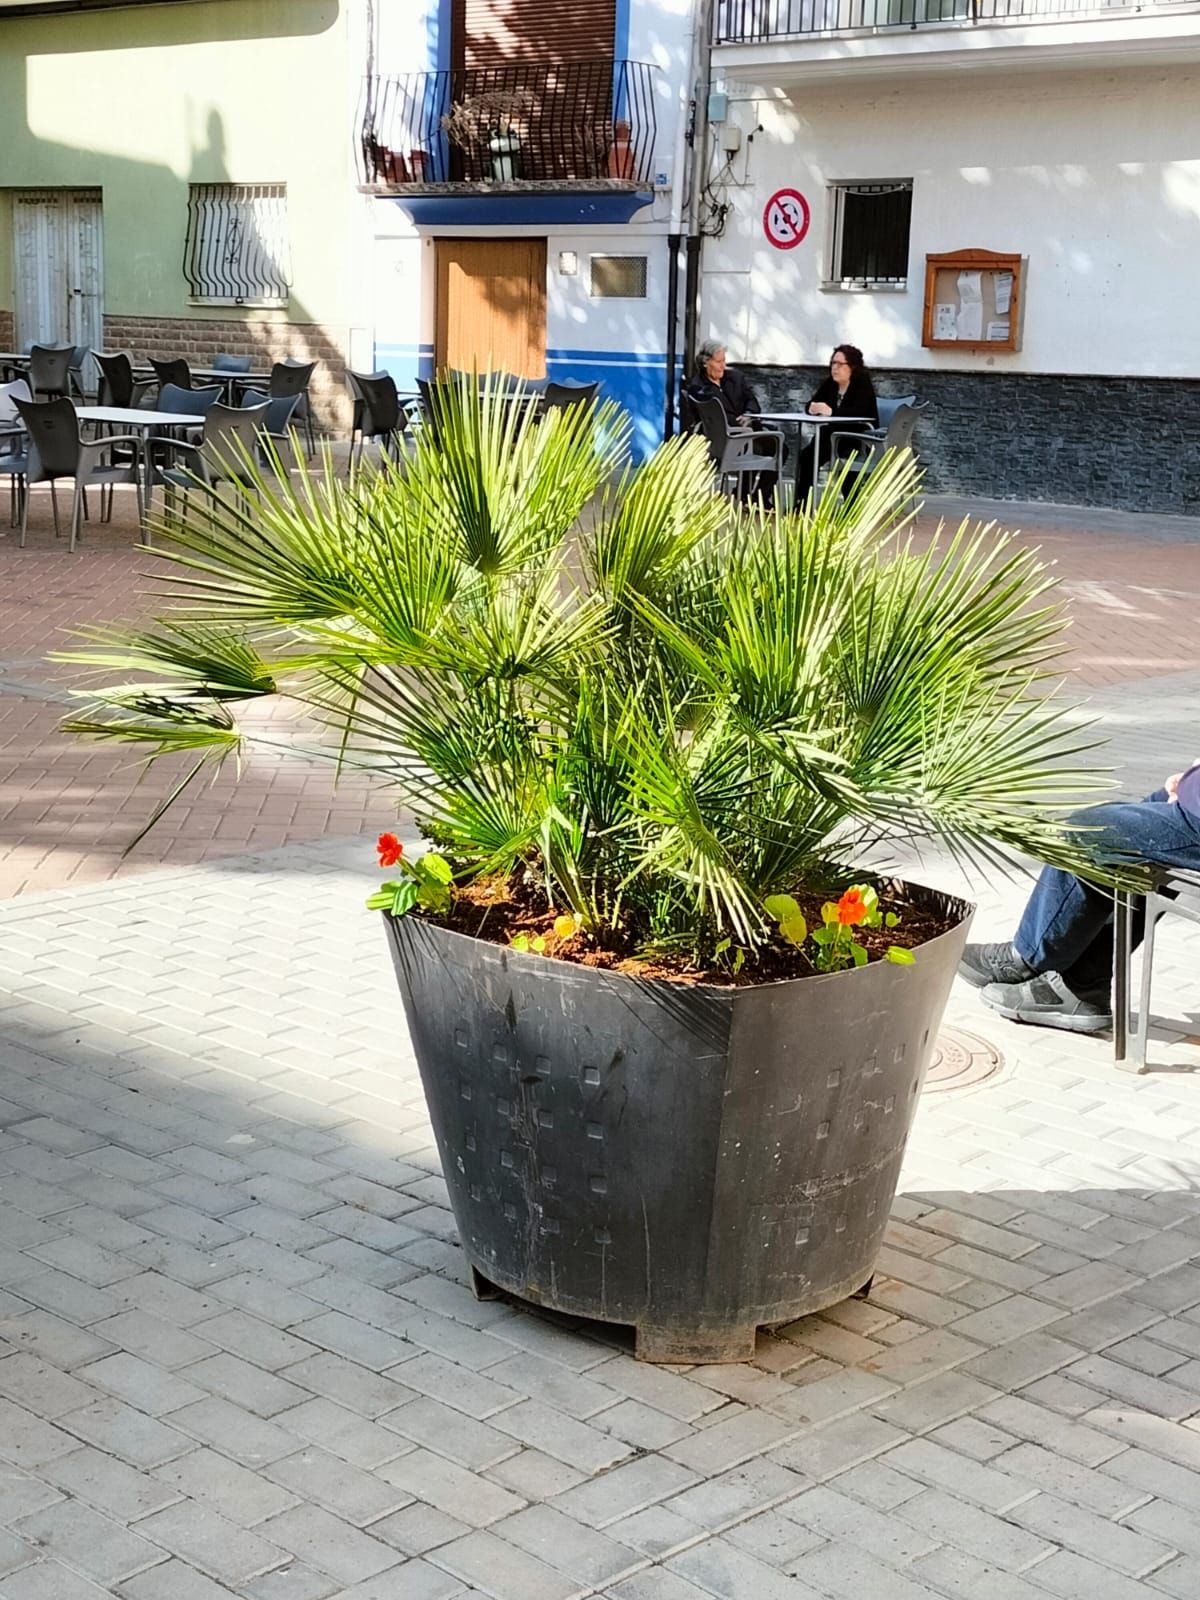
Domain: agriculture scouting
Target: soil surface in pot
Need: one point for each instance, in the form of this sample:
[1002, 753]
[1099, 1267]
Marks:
[497, 910]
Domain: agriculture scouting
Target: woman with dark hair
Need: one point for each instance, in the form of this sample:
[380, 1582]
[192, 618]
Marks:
[846, 392]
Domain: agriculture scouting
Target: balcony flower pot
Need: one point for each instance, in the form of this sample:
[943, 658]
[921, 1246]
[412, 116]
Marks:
[693, 1160]
[621, 162]
[670, 1079]
[418, 165]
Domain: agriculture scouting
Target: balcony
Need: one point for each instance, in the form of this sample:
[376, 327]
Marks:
[552, 140]
[790, 40]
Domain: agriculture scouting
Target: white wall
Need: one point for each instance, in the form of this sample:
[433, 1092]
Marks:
[1094, 176]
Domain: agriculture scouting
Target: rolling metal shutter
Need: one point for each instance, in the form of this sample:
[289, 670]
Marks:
[534, 30]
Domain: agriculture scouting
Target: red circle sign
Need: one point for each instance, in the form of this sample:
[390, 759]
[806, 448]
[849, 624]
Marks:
[785, 218]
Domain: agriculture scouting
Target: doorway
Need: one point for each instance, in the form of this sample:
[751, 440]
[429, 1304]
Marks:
[491, 306]
[59, 267]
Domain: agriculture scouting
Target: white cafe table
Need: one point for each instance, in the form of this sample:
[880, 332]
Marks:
[805, 419]
[131, 419]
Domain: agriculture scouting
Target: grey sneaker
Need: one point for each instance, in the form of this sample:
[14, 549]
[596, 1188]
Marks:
[993, 963]
[1047, 1001]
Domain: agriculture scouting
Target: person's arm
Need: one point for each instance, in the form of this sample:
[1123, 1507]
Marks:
[821, 404]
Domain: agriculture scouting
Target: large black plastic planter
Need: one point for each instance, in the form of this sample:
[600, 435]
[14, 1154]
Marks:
[696, 1161]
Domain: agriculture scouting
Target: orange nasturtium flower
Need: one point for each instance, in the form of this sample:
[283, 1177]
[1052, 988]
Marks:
[390, 849]
[851, 909]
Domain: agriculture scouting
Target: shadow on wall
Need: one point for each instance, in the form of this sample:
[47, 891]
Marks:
[135, 190]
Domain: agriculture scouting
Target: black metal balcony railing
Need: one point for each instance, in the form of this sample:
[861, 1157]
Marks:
[756, 21]
[541, 122]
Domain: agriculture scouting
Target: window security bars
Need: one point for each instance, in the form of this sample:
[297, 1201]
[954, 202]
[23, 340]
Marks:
[537, 122]
[236, 250]
[869, 243]
[749, 21]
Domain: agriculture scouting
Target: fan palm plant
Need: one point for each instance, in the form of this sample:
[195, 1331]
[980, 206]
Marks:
[657, 718]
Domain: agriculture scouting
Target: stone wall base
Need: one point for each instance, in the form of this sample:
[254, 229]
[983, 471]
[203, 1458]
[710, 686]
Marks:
[199, 339]
[7, 331]
[1124, 443]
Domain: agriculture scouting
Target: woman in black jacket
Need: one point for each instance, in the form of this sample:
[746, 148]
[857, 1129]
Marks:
[847, 391]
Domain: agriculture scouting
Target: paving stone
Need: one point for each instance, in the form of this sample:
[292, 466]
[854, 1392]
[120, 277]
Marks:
[254, 1340]
[325, 1542]
[162, 1343]
[932, 1463]
[42, 1388]
[369, 1393]
[205, 1539]
[581, 1552]
[502, 1570]
[450, 1488]
[724, 1570]
[108, 1484]
[89, 1542]
[357, 1496]
[840, 1518]
[626, 1489]
[979, 1533]
[50, 1580]
[141, 1384]
[233, 1491]
[343, 1433]
[240, 1434]
[533, 1475]
[471, 1444]
[822, 1452]
[576, 1443]
[418, 1528]
[173, 1580]
[248, 1386]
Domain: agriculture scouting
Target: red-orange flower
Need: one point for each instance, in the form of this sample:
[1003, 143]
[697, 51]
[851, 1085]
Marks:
[390, 849]
[851, 909]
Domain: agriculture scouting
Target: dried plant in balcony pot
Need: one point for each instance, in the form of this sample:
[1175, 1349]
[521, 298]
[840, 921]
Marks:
[491, 120]
[670, 1025]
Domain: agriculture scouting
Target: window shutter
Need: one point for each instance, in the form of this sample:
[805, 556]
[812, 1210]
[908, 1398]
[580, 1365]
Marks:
[536, 30]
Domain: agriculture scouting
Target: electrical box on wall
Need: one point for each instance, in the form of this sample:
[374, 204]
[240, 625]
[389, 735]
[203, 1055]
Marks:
[718, 106]
[662, 174]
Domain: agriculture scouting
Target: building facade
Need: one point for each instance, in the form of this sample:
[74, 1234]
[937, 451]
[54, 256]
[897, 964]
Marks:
[530, 180]
[1063, 132]
[179, 179]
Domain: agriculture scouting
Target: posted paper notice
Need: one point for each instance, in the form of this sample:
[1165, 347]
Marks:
[998, 329]
[1003, 281]
[945, 322]
[970, 302]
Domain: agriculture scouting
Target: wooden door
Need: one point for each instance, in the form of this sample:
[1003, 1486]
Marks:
[58, 244]
[491, 306]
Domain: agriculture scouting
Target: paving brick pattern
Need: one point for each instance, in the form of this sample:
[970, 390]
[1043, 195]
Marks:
[238, 1354]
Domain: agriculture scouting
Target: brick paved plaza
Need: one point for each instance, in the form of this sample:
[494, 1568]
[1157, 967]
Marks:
[238, 1355]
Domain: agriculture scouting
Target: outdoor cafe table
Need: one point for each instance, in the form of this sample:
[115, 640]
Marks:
[804, 419]
[127, 419]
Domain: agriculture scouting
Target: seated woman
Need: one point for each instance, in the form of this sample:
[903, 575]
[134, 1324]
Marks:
[846, 392]
[714, 379]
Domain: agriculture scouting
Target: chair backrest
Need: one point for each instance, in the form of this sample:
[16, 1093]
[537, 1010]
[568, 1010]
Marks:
[376, 393]
[689, 417]
[431, 404]
[715, 426]
[289, 377]
[223, 362]
[278, 412]
[900, 428]
[558, 395]
[222, 426]
[48, 367]
[10, 393]
[189, 402]
[53, 429]
[116, 377]
[890, 404]
[175, 370]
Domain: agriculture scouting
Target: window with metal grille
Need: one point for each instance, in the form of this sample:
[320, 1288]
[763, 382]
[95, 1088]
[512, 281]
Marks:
[236, 252]
[869, 243]
[618, 278]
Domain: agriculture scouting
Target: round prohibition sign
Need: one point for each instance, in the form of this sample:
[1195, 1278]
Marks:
[785, 218]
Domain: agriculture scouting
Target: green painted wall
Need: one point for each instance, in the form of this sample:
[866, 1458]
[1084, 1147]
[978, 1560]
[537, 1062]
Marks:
[143, 102]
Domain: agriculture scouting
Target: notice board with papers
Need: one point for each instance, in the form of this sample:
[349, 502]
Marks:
[973, 300]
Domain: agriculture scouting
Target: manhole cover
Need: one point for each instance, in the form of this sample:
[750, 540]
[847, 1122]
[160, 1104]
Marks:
[960, 1060]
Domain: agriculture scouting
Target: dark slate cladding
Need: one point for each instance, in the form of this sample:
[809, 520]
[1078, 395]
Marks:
[1129, 444]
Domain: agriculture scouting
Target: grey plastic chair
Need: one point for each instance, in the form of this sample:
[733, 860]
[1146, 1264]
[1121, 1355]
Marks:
[190, 402]
[56, 451]
[864, 451]
[50, 369]
[292, 377]
[223, 362]
[888, 405]
[118, 386]
[378, 413]
[557, 396]
[275, 432]
[738, 453]
[1176, 892]
[175, 370]
[228, 432]
[13, 453]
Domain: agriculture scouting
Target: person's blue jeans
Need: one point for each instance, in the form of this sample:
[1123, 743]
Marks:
[1067, 924]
